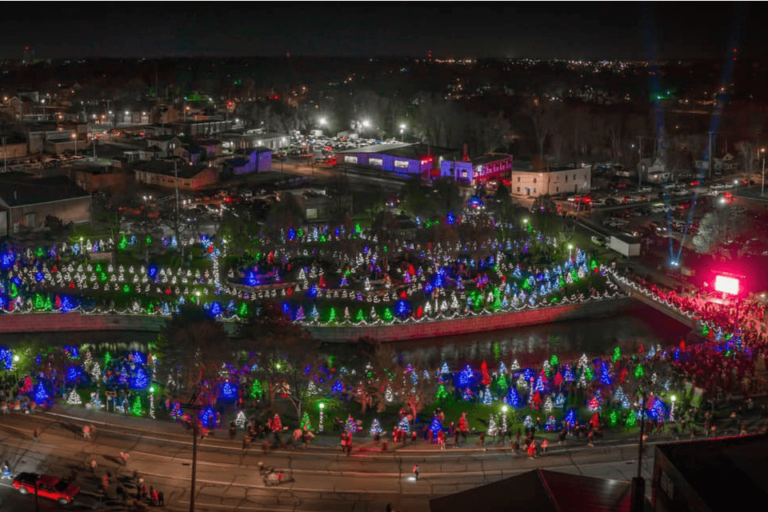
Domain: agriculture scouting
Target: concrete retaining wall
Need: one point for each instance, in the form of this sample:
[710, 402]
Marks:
[483, 323]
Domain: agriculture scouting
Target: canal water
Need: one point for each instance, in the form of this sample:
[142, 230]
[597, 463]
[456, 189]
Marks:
[639, 325]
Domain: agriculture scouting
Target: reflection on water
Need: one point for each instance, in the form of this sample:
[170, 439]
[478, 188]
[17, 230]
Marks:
[639, 325]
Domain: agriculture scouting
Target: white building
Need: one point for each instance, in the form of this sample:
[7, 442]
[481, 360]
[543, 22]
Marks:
[552, 182]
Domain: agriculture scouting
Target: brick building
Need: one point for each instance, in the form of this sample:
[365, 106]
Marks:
[25, 202]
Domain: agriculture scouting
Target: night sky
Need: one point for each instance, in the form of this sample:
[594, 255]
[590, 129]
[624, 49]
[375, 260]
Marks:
[503, 29]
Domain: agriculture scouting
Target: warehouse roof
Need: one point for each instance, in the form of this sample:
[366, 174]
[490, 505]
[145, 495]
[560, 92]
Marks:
[19, 189]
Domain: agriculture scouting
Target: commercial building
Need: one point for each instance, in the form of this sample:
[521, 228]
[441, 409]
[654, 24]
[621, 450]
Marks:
[170, 174]
[493, 166]
[653, 170]
[407, 159]
[555, 181]
[711, 475]
[203, 129]
[232, 141]
[25, 202]
[258, 159]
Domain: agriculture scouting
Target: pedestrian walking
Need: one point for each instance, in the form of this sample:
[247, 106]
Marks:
[416, 471]
[86, 432]
[36, 435]
[544, 446]
[153, 495]
[93, 464]
[124, 458]
[160, 499]
[482, 439]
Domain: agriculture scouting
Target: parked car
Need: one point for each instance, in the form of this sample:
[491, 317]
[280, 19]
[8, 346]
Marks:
[49, 487]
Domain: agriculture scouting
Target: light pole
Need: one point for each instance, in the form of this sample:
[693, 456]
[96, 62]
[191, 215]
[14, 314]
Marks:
[321, 425]
[762, 185]
[402, 130]
[570, 251]
[74, 137]
[504, 418]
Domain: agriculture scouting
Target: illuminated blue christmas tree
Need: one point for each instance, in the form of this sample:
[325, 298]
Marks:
[487, 397]
[139, 379]
[444, 369]
[228, 391]
[337, 387]
[436, 426]
[375, 427]
[571, 416]
[502, 368]
[528, 422]
[605, 376]
[513, 397]
[208, 417]
[41, 395]
[560, 400]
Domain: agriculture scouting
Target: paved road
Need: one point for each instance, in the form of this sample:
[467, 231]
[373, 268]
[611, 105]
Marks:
[320, 478]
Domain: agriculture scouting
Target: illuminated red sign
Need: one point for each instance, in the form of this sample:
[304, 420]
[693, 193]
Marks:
[725, 284]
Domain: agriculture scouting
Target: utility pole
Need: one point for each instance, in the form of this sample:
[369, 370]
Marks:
[711, 157]
[638, 484]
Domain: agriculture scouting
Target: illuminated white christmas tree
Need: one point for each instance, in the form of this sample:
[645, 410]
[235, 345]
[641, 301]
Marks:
[74, 398]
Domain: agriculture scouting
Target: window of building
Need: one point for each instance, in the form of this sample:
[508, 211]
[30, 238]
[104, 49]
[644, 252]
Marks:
[311, 213]
[350, 159]
[557, 189]
[518, 179]
[376, 161]
[534, 180]
[566, 178]
[534, 190]
[403, 164]
[518, 190]
[574, 176]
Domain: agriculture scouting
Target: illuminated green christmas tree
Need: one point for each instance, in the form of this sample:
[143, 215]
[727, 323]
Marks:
[332, 315]
[554, 361]
[360, 317]
[631, 420]
[123, 245]
[242, 311]
[305, 424]
[39, 301]
[48, 306]
[387, 316]
[442, 394]
[256, 390]
[616, 354]
[639, 372]
[136, 409]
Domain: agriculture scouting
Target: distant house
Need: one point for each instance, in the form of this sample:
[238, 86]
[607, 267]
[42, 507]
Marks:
[191, 153]
[257, 159]
[99, 179]
[212, 147]
[553, 181]
[166, 143]
[161, 173]
[318, 207]
[653, 170]
[727, 163]
[26, 202]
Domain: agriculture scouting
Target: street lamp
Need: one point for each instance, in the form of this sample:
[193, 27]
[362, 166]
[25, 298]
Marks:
[762, 185]
[323, 121]
[74, 137]
[321, 425]
[570, 250]
[402, 129]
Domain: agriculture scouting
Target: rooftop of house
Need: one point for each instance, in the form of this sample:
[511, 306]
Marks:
[541, 491]
[711, 466]
[20, 189]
